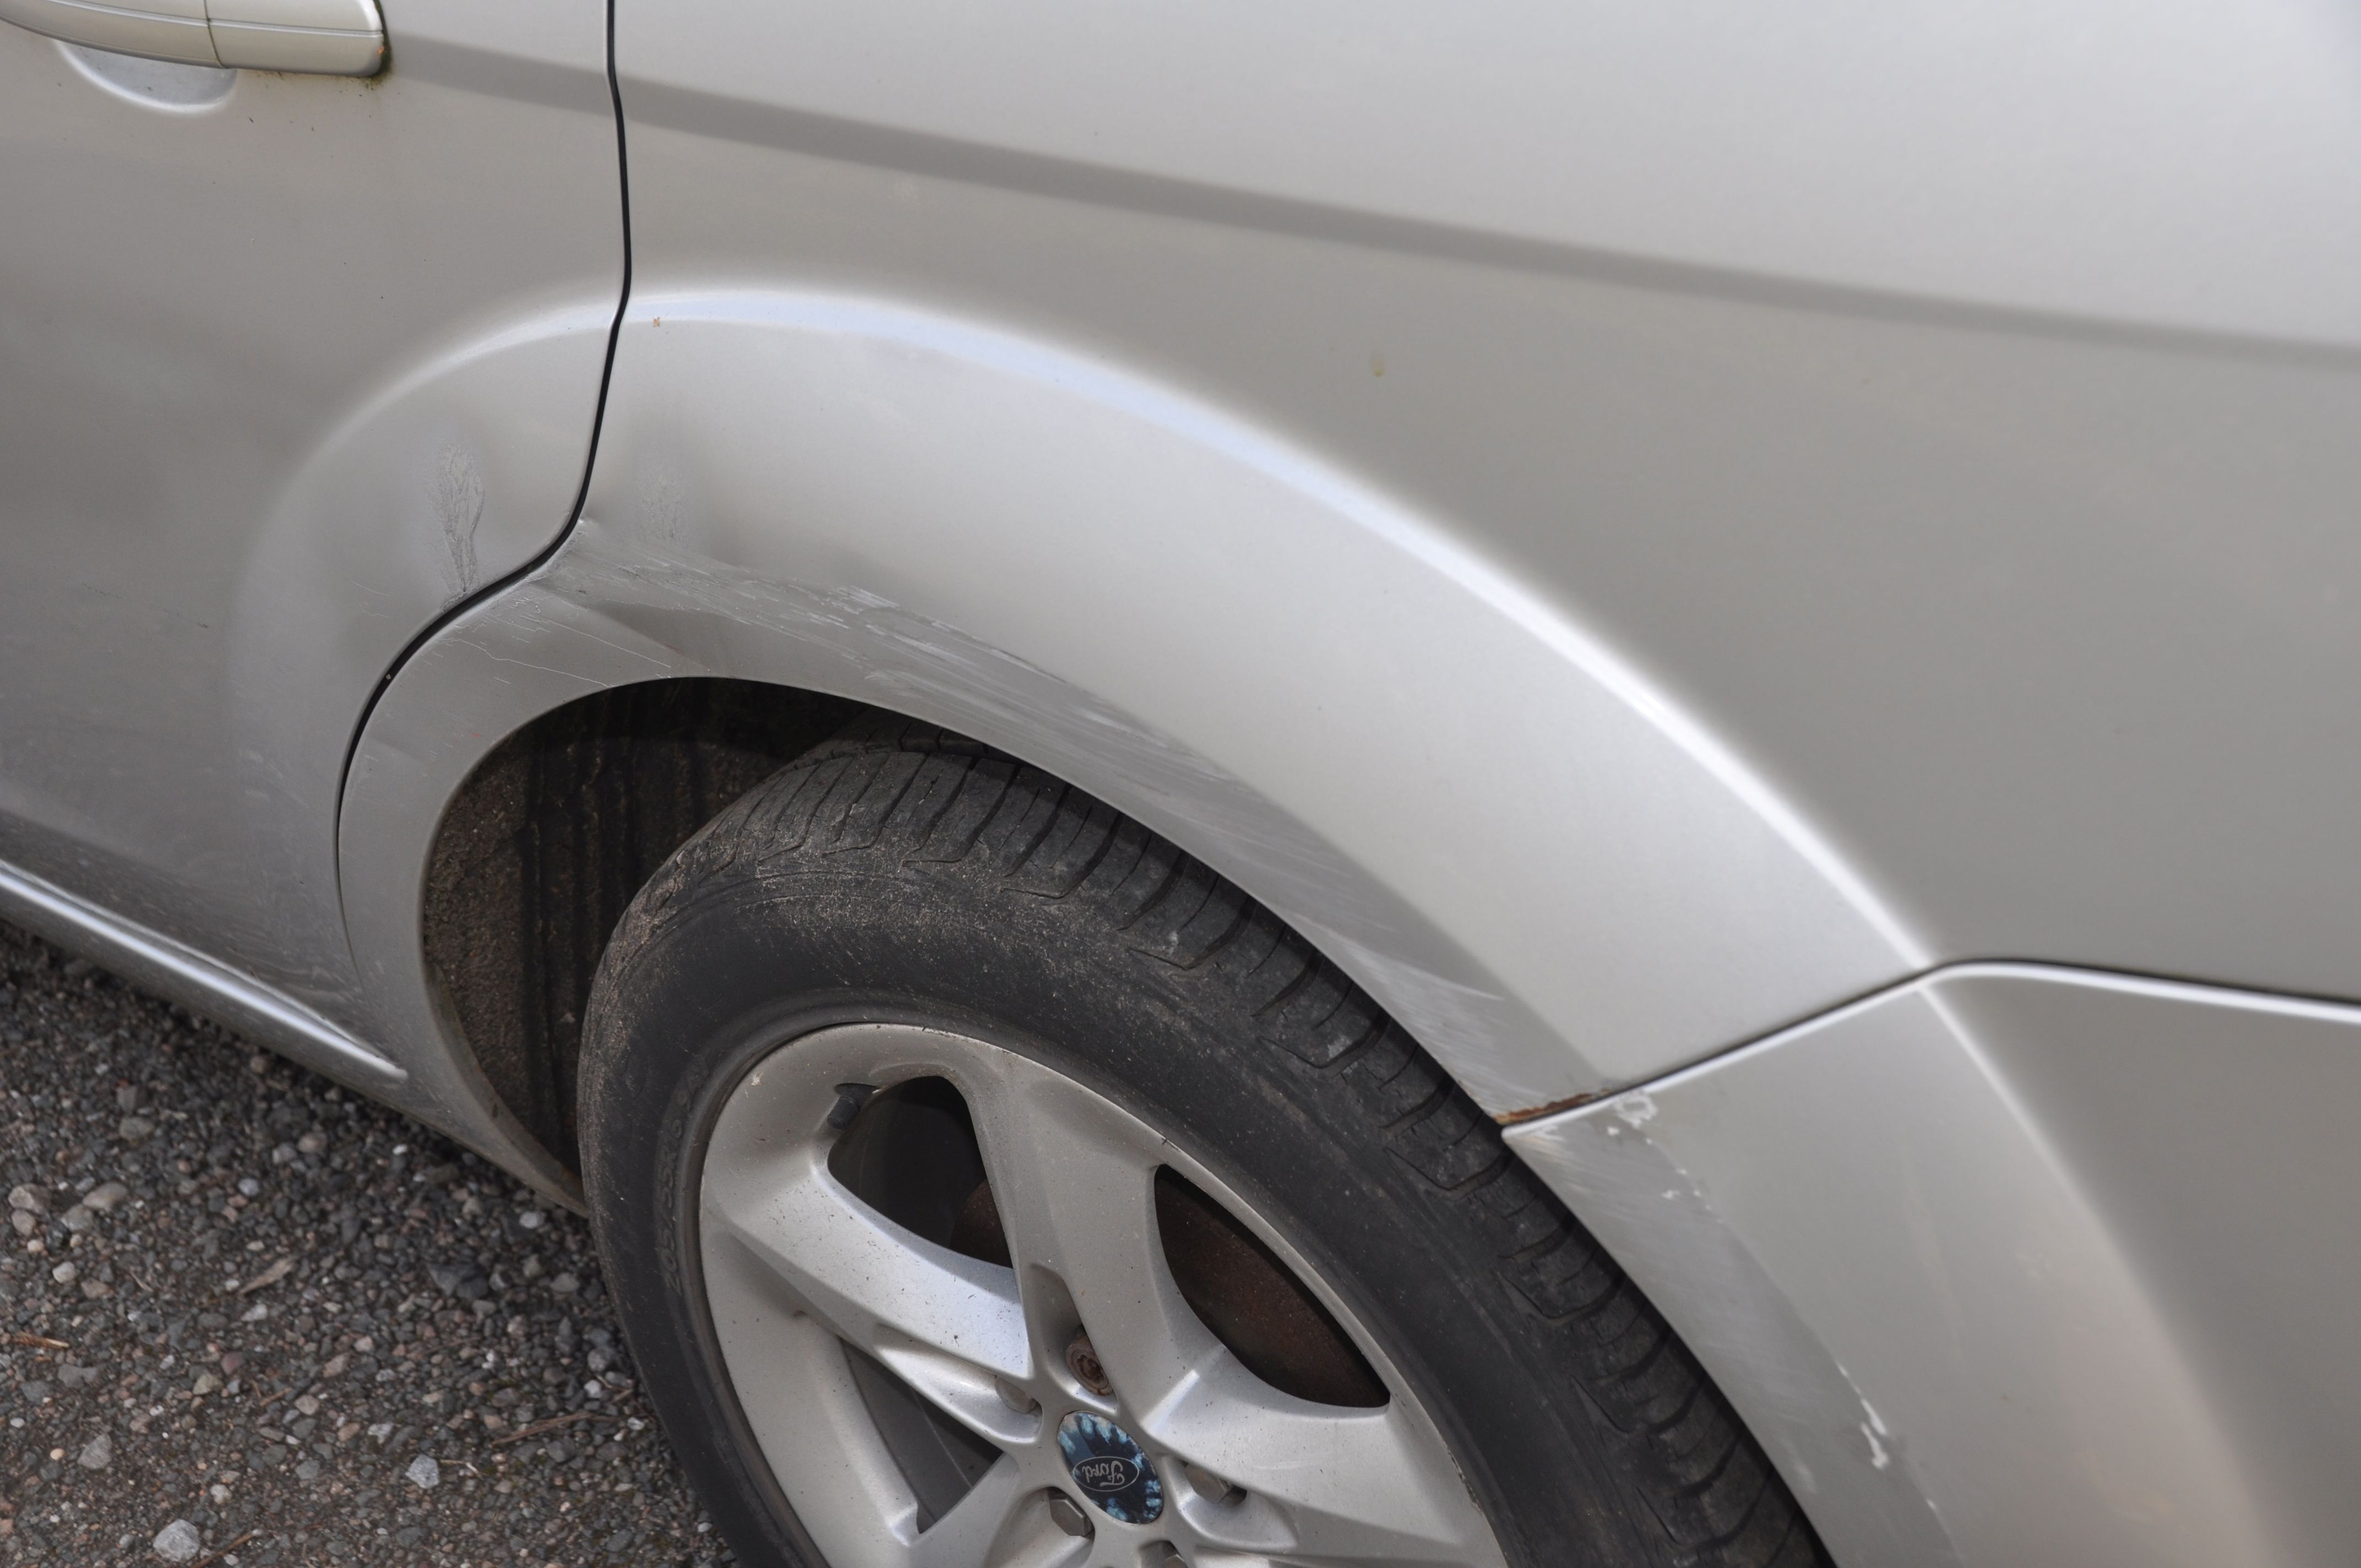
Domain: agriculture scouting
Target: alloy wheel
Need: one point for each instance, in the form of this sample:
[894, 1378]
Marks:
[977, 1315]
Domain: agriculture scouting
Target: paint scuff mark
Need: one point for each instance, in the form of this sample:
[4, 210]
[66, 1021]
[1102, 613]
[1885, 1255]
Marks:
[1634, 1110]
[1875, 1430]
[457, 493]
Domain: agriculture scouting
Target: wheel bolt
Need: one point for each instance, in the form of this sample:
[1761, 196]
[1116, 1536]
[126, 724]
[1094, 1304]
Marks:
[1210, 1487]
[1083, 1362]
[1068, 1516]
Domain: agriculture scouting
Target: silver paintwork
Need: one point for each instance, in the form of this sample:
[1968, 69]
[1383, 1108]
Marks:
[795, 1268]
[1633, 526]
[2015, 1263]
[2161, 162]
[1950, 416]
[284, 376]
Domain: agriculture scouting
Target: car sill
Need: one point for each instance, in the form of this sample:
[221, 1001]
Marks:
[160, 964]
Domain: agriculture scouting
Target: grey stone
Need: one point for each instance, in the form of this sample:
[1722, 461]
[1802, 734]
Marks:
[178, 1541]
[97, 1453]
[424, 1473]
[159, 1237]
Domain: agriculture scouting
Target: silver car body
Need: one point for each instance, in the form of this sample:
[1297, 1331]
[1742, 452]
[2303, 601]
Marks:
[1779, 585]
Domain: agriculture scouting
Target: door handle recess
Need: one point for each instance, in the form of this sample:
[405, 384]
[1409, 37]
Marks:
[321, 37]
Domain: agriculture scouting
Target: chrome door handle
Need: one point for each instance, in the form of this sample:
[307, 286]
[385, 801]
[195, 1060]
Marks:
[321, 37]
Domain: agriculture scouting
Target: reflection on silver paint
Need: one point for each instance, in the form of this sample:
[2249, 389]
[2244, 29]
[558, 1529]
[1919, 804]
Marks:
[2154, 163]
[164, 84]
[2007, 1265]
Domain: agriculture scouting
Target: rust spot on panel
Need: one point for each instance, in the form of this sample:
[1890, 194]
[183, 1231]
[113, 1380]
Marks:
[1549, 1108]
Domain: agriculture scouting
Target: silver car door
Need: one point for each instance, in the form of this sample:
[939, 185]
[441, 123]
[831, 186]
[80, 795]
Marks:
[289, 365]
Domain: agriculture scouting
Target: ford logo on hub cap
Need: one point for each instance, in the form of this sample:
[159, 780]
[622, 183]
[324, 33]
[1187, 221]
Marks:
[1110, 1468]
[1103, 1475]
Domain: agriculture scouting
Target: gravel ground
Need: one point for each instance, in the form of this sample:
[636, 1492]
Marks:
[247, 1317]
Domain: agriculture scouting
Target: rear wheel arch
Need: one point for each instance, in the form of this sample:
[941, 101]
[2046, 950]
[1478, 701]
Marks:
[1555, 876]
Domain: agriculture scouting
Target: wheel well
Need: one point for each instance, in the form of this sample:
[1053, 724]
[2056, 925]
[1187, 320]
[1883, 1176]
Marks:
[551, 836]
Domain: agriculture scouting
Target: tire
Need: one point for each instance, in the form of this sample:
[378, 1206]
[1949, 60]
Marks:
[901, 877]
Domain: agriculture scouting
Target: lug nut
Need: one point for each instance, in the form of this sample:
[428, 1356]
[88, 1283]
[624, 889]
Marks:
[1210, 1487]
[1068, 1516]
[1083, 1362]
[1016, 1398]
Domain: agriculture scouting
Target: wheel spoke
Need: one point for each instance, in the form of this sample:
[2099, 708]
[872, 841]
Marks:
[1345, 1484]
[1005, 1523]
[1074, 1181]
[961, 1538]
[886, 1291]
[965, 1391]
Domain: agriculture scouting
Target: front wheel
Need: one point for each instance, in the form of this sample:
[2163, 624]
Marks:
[982, 1181]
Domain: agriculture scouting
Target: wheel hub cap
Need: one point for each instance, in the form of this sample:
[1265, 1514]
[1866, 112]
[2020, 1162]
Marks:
[1110, 1468]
